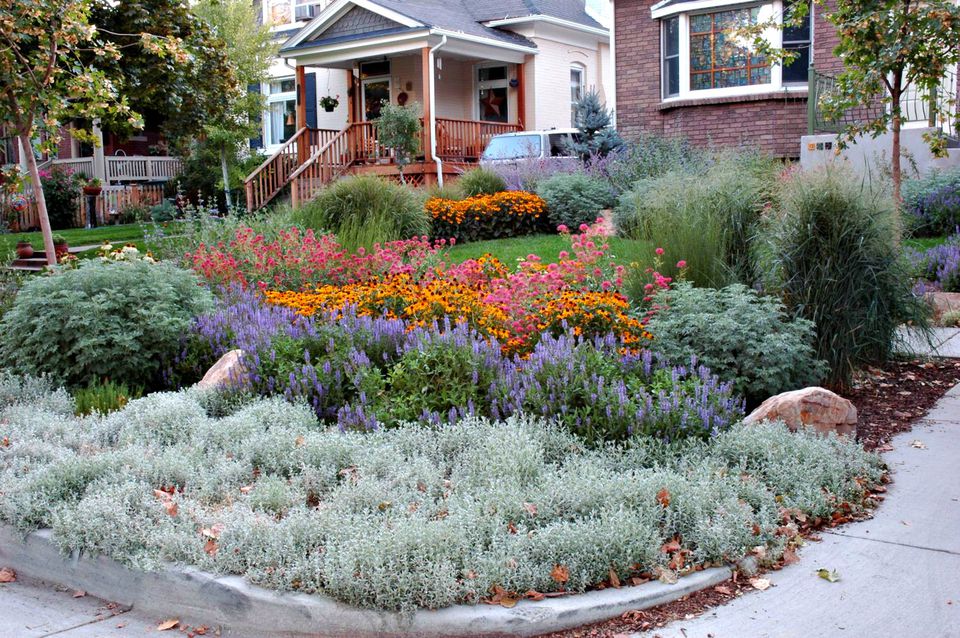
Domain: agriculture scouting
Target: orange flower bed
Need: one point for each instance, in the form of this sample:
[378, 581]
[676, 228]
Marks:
[506, 214]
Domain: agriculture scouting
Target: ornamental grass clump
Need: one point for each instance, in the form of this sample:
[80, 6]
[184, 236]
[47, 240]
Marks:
[119, 320]
[835, 256]
[413, 517]
[365, 210]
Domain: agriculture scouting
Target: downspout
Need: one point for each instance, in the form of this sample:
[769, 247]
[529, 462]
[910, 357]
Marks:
[433, 111]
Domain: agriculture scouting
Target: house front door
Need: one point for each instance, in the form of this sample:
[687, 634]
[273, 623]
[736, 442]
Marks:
[376, 91]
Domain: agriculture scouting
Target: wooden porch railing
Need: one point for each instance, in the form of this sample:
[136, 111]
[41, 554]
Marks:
[270, 177]
[464, 140]
[333, 155]
[142, 168]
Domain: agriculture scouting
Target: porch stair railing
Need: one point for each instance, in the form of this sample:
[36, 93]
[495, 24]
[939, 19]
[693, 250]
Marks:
[274, 174]
[334, 153]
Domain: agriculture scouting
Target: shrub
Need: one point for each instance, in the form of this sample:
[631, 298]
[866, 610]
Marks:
[931, 205]
[61, 191]
[575, 199]
[597, 137]
[429, 516]
[741, 336]
[648, 156]
[116, 320]
[165, 211]
[480, 181]
[365, 210]
[101, 397]
[399, 129]
[497, 216]
[939, 265]
[834, 249]
[706, 218]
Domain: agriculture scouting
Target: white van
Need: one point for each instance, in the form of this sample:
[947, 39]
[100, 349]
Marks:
[529, 145]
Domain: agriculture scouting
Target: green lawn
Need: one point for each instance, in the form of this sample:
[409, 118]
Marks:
[923, 243]
[77, 236]
[547, 247]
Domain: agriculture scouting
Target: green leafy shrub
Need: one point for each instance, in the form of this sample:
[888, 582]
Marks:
[114, 320]
[706, 218]
[480, 181]
[741, 336]
[364, 210]
[101, 397]
[834, 250]
[399, 129]
[165, 211]
[413, 509]
[574, 199]
[61, 191]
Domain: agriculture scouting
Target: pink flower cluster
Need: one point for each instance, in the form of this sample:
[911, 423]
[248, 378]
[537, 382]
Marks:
[302, 260]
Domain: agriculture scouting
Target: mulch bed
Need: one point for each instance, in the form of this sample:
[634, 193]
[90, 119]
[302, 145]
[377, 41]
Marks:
[889, 399]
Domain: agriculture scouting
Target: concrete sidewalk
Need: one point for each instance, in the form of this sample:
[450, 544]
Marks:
[944, 342]
[899, 572]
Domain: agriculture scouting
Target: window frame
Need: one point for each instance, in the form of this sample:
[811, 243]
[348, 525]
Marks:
[774, 35]
[276, 98]
[576, 67]
[482, 85]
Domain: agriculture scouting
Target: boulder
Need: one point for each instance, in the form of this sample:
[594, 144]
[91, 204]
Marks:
[817, 408]
[226, 372]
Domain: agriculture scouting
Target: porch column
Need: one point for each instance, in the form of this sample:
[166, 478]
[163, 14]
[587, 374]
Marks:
[427, 106]
[351, 97]
[99, 159]
[302, 149]
[522, 94]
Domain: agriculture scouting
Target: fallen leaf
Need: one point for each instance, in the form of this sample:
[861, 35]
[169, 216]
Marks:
[907, 523]
[531, 508]
[201, 630]
[790, 556]
[560, 574]
[171, 508]
[508, 601]
[672, 546]
[246, 489]
[827, 575]
[534, 595]
[79, 593]
[666, 576]
[761, 584]
[299, 441]
[663, 497]
[7, 575]
[886, 447]
[5, 441]
[213, 531]
[210, 547]
[511, 527]
[167, 625]
[722, 589]
[614, 579]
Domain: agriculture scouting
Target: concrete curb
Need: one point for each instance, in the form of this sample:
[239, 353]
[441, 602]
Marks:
[245, 610]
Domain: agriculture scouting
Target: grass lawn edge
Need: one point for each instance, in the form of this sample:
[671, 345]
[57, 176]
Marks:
[242, 609]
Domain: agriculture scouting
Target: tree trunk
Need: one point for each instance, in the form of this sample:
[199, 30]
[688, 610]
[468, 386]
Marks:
[26, 145]
[224, 167]
[895, 160]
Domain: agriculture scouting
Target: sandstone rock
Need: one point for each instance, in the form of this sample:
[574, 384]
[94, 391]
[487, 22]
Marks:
[226, 372]
[814, 407]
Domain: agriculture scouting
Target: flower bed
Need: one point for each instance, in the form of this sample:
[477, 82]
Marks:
[938, 267]
[496, 216]
[409, 517]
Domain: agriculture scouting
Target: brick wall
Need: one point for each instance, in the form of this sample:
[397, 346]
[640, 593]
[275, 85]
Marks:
[773, 123]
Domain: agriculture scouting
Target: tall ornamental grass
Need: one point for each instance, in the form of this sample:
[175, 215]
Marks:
[365, 210]
[706, 217]
[835, 255]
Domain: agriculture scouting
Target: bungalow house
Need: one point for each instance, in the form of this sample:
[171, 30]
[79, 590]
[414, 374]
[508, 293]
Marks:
[680, 71]
[476, 69]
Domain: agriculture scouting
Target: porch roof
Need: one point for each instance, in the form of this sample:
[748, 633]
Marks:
[377, 20]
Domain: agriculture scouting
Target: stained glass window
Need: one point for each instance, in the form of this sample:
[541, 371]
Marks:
[718, 58]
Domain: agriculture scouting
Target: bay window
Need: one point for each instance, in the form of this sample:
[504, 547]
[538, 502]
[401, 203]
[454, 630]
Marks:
[702, 55]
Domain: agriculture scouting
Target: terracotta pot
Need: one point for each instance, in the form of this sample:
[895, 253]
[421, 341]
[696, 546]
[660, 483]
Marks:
[24, 250]
[92, 190]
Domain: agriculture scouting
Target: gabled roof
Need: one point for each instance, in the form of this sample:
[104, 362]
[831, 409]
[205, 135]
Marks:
[454, 16]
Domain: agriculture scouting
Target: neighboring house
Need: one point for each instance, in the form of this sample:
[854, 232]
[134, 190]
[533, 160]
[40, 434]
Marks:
[681, 72]
[477, 69]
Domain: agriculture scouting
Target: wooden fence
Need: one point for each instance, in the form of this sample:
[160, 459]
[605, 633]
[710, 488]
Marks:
[110, 205]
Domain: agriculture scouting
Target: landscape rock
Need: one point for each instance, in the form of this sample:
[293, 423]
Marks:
[818, 408]
[225, 373]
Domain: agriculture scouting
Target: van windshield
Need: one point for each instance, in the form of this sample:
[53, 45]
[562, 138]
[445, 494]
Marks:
[511, 147]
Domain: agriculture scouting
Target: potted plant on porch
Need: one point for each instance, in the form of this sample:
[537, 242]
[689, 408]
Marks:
[93, 187]
[24, 248]
[329, 103]
[60, 246]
